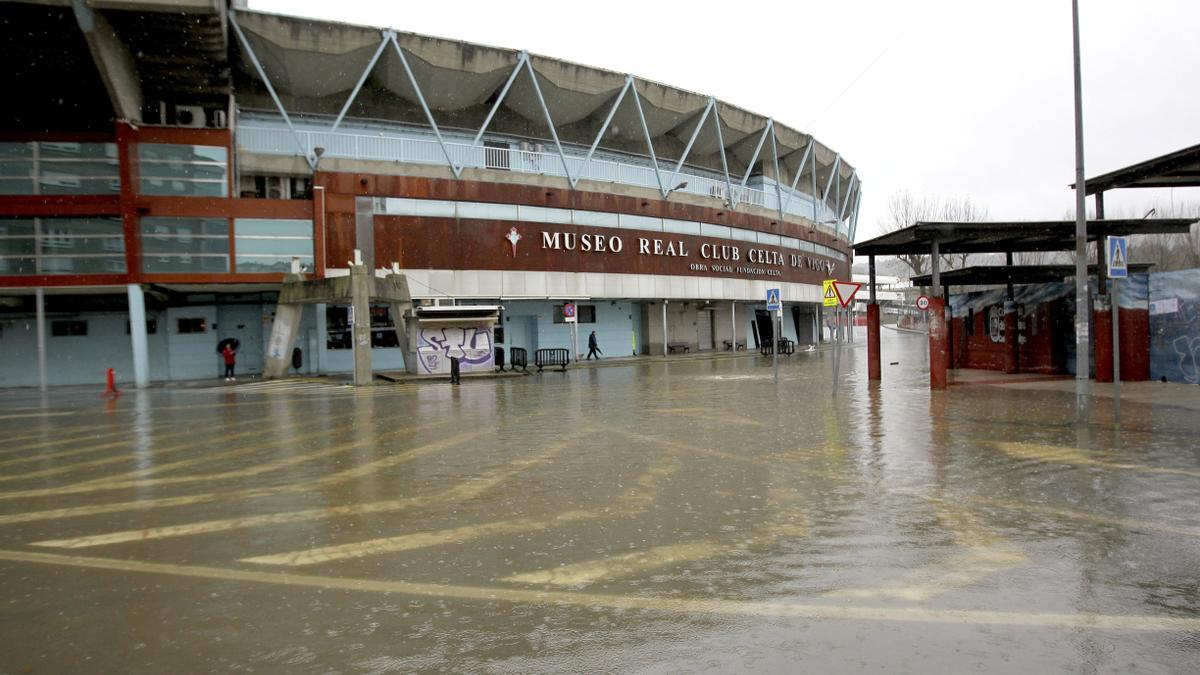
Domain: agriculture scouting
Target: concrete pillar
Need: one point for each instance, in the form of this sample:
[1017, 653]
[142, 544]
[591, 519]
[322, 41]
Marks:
[282, 341]
[137, 336]
[364, 229]
[1102, 322]
[733, 321]
[1012, 342]
[410, 357]
[938, 343]
[360, 332]
[322, 338]
[40, 311]
[874, 369]
[664, 322]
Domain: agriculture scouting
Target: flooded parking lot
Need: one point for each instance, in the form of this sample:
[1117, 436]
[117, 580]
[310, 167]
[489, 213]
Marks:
[697, 515]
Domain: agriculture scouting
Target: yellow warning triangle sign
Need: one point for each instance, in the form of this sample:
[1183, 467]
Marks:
[829, 294]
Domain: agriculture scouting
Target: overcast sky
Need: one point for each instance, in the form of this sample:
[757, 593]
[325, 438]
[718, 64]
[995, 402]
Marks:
[964, 99]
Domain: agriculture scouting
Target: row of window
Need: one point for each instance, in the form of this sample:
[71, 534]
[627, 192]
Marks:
[437, 208]
[61, 168]
[94, 245]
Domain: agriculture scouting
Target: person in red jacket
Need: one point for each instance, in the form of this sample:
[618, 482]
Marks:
[230, 356]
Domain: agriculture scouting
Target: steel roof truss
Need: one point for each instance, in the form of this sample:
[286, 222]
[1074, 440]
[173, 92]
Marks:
[691, 141]
[500, 99]
[849, 192]
[854, 214]
[646, 130]
[457, 170]
[549, 122]
[604, 127]
[775, 153]
[304, 151]
[800, 170]
[724, 159]
[387, 35]
[829, 183]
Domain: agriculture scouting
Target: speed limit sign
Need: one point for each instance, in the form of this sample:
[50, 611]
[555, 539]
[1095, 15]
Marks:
[923, 303]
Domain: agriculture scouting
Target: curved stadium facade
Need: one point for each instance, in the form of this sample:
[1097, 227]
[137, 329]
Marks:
[184, 162]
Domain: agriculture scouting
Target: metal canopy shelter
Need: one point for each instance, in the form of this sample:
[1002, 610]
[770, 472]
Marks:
[1177, 169]
[1008, 237]
[937, 238]
[1000, 275]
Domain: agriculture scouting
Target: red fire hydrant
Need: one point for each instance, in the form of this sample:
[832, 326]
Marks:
[110, 381]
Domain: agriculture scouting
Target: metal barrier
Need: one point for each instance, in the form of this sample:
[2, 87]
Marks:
[518, 358]
[557, 356]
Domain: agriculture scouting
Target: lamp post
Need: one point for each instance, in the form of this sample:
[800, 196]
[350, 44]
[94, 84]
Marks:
[1081, 274]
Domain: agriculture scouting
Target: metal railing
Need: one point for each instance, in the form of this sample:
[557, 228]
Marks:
[265, 137]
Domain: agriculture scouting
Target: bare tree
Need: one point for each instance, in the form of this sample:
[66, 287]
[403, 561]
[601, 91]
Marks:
[1168, 252]
[905, 210]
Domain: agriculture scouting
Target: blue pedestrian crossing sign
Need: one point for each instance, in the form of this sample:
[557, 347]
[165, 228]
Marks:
[773, 304]
[1118, 257]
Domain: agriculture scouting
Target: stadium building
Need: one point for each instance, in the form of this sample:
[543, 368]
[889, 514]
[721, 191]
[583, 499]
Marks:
[164, 164]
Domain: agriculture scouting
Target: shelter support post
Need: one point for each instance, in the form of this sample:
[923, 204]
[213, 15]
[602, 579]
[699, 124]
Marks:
[137, 336]
[1008, 287]
[874, 369]
[1012, 341]
[284, 329]
[949, 331]
[1102, 324]
[938, 343]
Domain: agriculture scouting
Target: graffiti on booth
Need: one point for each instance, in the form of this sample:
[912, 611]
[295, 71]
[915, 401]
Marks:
[472, 346]
[996, 323]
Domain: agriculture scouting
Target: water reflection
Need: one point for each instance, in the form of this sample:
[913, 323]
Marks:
[681, 516]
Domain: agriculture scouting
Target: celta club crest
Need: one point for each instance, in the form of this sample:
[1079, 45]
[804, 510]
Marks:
[513, 237]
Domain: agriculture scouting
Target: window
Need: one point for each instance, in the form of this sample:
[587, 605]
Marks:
[58, 245]
[68, 328]
[275, 187]
[184, 170]
[185, 245]
[583, 314]
[151, 327]
[192, 325]
[59, 168]
[338, 328]
[264, 245]
[383, 331]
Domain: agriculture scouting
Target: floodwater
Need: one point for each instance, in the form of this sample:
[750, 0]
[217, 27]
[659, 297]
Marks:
[683, 517]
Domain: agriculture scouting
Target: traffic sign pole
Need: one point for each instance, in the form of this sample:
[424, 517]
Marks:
[1118, 267]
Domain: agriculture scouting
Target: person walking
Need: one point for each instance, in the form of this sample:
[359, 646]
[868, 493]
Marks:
[593, 347]
[230, 356]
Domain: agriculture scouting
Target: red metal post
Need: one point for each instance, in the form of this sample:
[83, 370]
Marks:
[939, 355]
[1102, 322]
[874, 371]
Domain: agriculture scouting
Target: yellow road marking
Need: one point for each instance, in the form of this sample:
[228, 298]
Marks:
[636, 499]
[408, 542]
[700, 606]
[236, 473]
[1126, 523]
[158, 452]
[249, 493]
[627, 564]
[1066, 455]
[964, 569]
[471, 488]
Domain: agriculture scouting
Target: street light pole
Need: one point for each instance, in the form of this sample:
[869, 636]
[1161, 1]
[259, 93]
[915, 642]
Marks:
[1082, 371]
